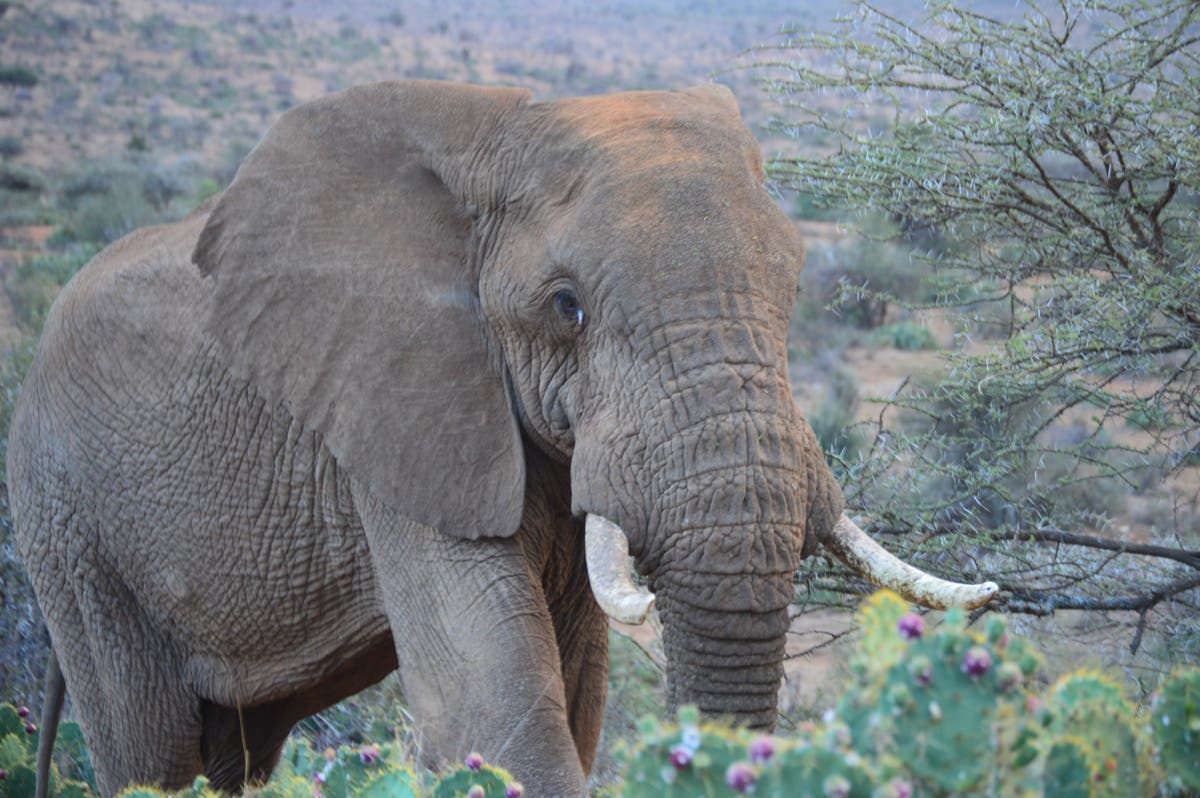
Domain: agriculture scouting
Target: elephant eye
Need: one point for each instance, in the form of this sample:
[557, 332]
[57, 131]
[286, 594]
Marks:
[567, 305]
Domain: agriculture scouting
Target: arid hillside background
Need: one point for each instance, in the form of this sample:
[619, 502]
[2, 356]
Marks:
[119, 113]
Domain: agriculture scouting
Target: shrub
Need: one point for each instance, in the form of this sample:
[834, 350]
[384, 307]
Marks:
[907, 335]
[833, 418]
[11, 146]
[861, 278]
[14, 177]
[104, 200]
[33, 285]
[18, 76]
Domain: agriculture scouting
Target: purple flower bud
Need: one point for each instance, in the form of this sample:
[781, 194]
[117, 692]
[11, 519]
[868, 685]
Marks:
[30, 728]
[318, 778]
[740, 777]
[476, 791]
[3, 774]
[514, 790]
[473, 761]
[23, 712]
[681, 757]
[977, 661]
[899, 788]
[911, 626]
[761, 750]
[369, 754]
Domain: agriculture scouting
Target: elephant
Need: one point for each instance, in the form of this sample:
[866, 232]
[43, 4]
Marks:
[376, 406]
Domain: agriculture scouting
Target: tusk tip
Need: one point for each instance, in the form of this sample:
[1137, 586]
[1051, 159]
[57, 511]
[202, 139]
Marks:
[984, 593]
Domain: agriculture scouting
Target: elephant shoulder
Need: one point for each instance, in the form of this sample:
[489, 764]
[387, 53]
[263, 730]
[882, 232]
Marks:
[140, 287]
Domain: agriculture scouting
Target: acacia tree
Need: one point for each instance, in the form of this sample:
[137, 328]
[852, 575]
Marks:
[1048, 165]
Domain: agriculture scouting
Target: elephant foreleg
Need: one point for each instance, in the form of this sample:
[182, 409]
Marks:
[477, 652]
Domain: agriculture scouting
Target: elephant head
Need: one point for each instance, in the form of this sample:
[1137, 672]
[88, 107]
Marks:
[435, 277]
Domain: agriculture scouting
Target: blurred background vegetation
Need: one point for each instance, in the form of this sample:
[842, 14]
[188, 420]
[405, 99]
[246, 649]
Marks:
[996, 337]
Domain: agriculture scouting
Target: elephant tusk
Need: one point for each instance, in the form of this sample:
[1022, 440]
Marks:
[610, 574]
[856, 549]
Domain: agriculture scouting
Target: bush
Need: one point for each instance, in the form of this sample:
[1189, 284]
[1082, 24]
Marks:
[104, 200]
[18, 76]
[11, 146]
[14, 177]
[33, 285]
[833, 418]
[861, 278]
[906, 335]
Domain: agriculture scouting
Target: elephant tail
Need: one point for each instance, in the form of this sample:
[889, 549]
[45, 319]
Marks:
[52, 704]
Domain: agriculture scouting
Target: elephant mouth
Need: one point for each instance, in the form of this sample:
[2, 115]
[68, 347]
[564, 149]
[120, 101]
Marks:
[624, 601]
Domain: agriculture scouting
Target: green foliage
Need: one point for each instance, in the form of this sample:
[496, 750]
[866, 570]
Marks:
[35, 283]
[907, 335]
[14, 177]
[18, 760]
[18, 76]
[107, 198]
[832, 418]
[1042, 168]
[11, 146]
[860, 279]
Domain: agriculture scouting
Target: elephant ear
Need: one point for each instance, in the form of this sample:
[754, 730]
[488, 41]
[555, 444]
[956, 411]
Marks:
[344, 285]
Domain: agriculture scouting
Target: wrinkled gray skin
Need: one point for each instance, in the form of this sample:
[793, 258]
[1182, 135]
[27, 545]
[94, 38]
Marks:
[345, 420]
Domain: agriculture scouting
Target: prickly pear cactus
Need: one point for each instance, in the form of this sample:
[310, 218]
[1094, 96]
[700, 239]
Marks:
[1065, 772]
[1091, 710]
[947, 706]
[199, 789]
[476, 779]
[395, 783]
[820, 769]
[688, 759]
[18, 759]
[701, 759]
[304, 772]
[1176, 725]
[71, 754]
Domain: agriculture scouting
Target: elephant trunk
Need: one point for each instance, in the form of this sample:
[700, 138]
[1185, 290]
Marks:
[728, 662]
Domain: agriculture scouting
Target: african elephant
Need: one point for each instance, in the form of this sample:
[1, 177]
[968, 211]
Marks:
[351, 415]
